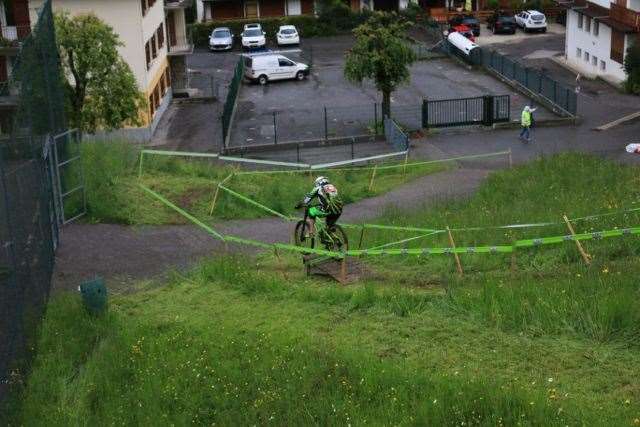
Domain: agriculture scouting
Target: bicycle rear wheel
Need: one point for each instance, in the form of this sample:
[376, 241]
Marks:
[302, 235]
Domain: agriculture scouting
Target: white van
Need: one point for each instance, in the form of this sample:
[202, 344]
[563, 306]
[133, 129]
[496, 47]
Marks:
[262, 68]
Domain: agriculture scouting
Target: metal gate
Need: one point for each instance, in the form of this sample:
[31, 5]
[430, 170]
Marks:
[64, 164]
[483, 110]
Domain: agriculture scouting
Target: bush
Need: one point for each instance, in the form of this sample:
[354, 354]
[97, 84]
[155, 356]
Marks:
[412, 12]
[632, 69]
[493, 4]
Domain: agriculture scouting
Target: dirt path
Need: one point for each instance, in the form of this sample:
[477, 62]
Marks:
[121, 254]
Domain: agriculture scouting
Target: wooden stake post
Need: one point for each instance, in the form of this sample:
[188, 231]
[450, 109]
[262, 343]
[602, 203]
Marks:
[215, 199]
[455, 254]
[373, 176]
[585, 256]
[361, 237]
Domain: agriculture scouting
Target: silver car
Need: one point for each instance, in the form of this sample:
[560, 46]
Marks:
[221, 39]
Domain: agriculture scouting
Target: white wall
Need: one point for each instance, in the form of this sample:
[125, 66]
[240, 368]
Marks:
[598, 46]
[634, 5]
[125, 17]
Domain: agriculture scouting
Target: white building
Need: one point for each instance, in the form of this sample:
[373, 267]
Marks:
[598, 35]
[154, 34]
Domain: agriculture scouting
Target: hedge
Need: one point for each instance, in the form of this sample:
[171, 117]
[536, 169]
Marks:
[307, 25]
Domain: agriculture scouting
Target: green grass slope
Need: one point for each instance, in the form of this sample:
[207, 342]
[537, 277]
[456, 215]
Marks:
[539, 340]
[113, 195]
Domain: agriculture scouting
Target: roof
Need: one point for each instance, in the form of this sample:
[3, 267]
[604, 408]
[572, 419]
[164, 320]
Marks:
[601, 14]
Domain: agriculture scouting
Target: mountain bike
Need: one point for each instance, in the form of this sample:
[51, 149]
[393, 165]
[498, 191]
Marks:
[308, 232]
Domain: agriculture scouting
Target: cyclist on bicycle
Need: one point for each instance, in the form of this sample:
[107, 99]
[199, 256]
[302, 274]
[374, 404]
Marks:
[330, 203]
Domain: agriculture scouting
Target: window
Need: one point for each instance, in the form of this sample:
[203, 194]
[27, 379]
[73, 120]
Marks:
[154, 50]
[596, 28]
[144, 7]
[617, 46]
[586, 57]
[603, 65]
[579, 53]
[594, 61]
[167, 76]
[579, 20]
[151, 3]
[587, 24]
[147, 51]
[285, 62]
[160, 34]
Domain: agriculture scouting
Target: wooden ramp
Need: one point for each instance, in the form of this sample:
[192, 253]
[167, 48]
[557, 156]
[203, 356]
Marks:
[344, 271]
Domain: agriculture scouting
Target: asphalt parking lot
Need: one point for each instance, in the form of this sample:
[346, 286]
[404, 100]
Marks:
[298, 108]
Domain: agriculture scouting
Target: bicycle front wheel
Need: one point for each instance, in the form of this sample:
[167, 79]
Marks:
[302, 235]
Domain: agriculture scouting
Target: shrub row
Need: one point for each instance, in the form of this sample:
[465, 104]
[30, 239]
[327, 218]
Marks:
[307, 25]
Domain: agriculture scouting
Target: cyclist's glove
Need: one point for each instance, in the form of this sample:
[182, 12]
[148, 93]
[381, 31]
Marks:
[299, 205]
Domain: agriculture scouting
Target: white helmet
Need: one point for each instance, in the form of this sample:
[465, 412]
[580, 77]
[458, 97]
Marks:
[320, 181]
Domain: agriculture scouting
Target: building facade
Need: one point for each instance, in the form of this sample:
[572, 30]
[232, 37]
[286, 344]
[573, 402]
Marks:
[209, 10]
[598, 36]
[155, 45]
[15, 25]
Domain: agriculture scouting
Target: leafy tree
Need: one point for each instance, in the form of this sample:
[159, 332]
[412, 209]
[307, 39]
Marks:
[381, 54]
[101, 90]
[632, 68]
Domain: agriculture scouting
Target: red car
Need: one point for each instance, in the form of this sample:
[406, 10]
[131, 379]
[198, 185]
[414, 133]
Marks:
[465, 31]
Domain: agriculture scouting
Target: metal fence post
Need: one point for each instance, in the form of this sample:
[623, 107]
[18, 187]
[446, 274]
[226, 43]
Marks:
[555, 91]
[540, 76]
[487, 110]
[425, 113]
[326, 125]
[526, 77]
[375, 119]
[353, 140]
[275, 129]
[298, 152]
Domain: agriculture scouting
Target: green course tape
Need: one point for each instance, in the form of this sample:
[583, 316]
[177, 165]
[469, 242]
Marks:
[182, 212]
[181, 153]
[360, 160]
[264, 162]
[399, 242]
[433, 251]
[582, 236]
[253, 202]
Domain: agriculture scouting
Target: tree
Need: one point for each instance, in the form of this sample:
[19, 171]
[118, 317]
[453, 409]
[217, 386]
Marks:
[381, 54]
[101, 90]
[632, 68]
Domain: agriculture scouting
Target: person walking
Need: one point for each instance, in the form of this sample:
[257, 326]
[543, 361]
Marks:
[525, 122]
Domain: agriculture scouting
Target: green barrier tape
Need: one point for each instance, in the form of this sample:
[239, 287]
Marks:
[399, 242]
[180, 153]
[182, 212]
[264, 162]
[359, 160]
[253, 202]
[286, 247]
[432, 251]
[582, 236]
[362, 168]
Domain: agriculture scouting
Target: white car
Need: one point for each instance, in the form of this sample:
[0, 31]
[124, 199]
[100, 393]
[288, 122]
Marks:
[263, 68]
[252, 26]
[221, 38]
[253, 38]
[532, 20]
[287, 34]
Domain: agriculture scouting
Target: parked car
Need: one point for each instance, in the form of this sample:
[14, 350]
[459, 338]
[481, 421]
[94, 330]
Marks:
[465, 31]
[253, 38]
[287, 34]
[532, 20]
[266, 67]
[468, 20]
[252, 26]
[500, 22]
[221, 38]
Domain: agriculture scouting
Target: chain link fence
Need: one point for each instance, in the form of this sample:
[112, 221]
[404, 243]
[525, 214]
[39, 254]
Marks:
[28, 221]
[230, 101]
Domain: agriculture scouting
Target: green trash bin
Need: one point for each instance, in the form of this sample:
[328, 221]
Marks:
[94, 296]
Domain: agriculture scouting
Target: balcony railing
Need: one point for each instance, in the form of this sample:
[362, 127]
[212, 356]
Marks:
[177, 4]
[15, 34]
[625, 16]
[179, 44]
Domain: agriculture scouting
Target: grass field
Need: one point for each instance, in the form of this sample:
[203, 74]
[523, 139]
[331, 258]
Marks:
[111, 170]
[539, 340]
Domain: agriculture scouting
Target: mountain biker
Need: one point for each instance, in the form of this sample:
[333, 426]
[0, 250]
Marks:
[330, 203]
